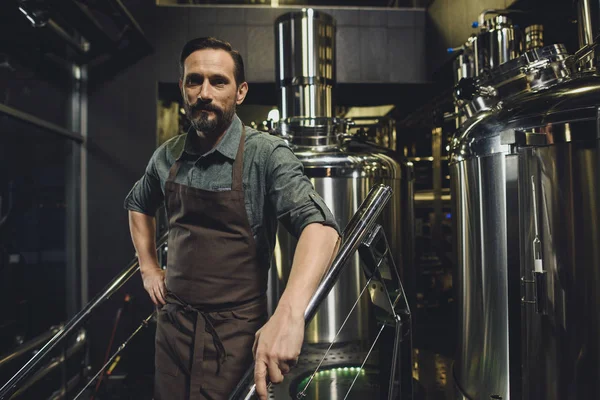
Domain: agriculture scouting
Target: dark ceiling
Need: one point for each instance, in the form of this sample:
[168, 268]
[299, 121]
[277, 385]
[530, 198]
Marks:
[49, 36]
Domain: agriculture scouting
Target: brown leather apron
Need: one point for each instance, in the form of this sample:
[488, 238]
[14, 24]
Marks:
[216, 291]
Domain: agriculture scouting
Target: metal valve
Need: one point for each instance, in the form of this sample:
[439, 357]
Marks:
[467, 89]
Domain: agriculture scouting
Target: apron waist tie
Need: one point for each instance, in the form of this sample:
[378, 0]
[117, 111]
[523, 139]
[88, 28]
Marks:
[173, 308]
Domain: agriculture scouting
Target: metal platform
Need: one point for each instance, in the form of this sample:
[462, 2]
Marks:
[335, 375]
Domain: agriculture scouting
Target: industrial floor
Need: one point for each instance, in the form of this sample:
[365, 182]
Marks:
[434, 342]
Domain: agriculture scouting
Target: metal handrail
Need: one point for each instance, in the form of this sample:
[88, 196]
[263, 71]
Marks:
[52, 365]
[357, 229]
[29, 346]
[12, 385]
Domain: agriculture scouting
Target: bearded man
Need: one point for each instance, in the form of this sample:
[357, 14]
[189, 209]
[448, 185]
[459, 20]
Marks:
[225, 186]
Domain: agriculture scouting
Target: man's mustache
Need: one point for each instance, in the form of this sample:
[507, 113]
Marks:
[205, 107]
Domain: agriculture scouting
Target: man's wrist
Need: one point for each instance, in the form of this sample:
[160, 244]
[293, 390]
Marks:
[149, 267]
[290, 308]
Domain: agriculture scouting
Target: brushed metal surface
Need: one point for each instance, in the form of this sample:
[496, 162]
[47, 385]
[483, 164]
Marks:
[305, 68]
[497, 44]
[343, 180]
[561, 349]
[552, 328]
[479, 194]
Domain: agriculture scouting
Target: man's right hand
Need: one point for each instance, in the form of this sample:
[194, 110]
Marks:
[154, 283]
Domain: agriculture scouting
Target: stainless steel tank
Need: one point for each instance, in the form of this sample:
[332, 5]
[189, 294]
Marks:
[343, 178]
[485, 193]
[559, 212]
[341, 169]
[526, 192]
[528, 243]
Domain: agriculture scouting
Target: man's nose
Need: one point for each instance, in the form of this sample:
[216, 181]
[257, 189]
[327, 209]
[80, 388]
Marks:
[205, 94]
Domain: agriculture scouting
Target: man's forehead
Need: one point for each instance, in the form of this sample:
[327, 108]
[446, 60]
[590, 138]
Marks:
[210, 59]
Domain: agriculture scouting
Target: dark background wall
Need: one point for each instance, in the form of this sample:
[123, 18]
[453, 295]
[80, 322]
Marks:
[121, 137]
[373, 45]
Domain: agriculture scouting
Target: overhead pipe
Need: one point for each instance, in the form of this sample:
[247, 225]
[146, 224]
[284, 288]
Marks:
[588, 23]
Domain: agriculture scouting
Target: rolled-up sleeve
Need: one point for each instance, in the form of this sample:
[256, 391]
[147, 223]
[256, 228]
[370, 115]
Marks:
[291, 193]
[146, 196]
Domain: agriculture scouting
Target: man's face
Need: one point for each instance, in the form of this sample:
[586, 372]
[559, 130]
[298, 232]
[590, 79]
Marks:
[209, 90]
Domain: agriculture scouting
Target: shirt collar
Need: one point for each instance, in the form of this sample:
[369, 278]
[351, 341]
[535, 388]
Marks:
[228, 146]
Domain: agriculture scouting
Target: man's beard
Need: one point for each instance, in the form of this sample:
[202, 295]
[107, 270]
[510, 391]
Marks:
[222, 118]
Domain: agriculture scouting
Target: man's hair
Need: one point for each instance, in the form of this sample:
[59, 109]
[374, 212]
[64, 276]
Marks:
[214, 43]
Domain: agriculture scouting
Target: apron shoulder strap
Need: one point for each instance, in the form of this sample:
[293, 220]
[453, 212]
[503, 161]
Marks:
[173, 171]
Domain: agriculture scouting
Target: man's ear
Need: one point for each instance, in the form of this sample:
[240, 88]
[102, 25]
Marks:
[181, 88]
[240, 95]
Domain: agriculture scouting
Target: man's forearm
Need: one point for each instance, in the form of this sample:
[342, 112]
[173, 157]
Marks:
[316, 248]
[143, 234]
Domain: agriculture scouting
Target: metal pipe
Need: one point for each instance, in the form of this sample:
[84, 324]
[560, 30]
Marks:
[436, 152]
[40, 123]
[356, 230]
[82, 46]
[72, 384]
[131, 22]
[408, 230]
[587, 26]
[56, 362]
[28, 346]
[588, 14]
[122, 347]
[11, 386]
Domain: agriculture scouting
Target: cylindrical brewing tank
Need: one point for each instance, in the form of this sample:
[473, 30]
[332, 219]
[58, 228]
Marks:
[485, 192]
[559, 207]
[343, 179]
[479, 177]
[305, 66]
[526, 191]
[342, 174]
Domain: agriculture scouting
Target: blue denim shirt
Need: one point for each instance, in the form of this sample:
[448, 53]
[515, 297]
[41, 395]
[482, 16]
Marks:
[275, 187]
